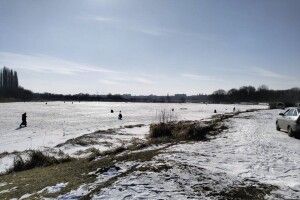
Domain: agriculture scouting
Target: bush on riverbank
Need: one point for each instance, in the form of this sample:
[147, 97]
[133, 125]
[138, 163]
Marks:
[187, 130]
[36, 159]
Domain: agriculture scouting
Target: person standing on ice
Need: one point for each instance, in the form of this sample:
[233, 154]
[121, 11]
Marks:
[24, 122]
[233, 109]
[120, 116]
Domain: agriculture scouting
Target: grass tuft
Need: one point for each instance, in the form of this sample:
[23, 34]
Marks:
[160, 130]
[36, 159]
[185, 130]
[255, 191]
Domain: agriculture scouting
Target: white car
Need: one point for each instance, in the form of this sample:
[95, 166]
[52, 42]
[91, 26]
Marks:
[289, 121]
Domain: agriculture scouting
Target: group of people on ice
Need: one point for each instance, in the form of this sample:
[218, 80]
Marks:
[120, 117]
[24, 118]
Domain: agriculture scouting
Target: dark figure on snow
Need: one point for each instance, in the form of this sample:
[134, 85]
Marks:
[24, 122]
[172, 109]
[120, 116]
[233, 109]
[215, 111]
[111, 111]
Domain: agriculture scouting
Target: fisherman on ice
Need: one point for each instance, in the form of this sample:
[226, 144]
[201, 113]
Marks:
[120, 116]
[24, 122]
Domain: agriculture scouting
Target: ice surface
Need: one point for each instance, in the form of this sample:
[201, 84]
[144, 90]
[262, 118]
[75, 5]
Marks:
[56, 122]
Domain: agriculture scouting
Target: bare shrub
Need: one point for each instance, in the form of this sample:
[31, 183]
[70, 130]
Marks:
[183, 130]
[96, 153]
[137, 143]
[166, 116]
[160, 130]
[36, 159]
[18, 163]
[134, 126]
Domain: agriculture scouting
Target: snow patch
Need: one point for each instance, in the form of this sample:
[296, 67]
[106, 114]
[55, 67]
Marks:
[53, 189]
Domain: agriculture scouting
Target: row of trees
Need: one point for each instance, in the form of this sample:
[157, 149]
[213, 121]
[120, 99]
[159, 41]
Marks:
[76, 97]
[8, 79]
[9, 86]
[251, 94]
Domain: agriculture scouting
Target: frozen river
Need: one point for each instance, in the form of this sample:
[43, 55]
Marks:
[55, 122]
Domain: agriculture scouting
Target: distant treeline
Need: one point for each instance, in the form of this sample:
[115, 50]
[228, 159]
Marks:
[119, 98]
[261, 94]
[11, 91]
[244, 94]
[76, 97]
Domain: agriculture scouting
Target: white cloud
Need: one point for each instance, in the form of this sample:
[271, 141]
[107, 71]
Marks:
[47, 64]
[267, 73]
[122, 24]
[109, 82]
[143, 80]
[148, 30]
[199, 77]
[105, 19]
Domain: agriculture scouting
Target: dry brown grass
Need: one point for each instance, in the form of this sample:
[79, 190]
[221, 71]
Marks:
[36, 159]
[185, 130]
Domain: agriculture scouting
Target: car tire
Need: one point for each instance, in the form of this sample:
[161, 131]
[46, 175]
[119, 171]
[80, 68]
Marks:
[290, 131]
[277, 127]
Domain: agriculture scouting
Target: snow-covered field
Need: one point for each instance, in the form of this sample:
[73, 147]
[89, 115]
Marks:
[250, 157]
[56, 122]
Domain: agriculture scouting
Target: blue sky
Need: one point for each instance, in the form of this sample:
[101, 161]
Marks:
[150, 47]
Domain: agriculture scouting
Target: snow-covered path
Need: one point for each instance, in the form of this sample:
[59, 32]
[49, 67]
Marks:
[249, 153]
